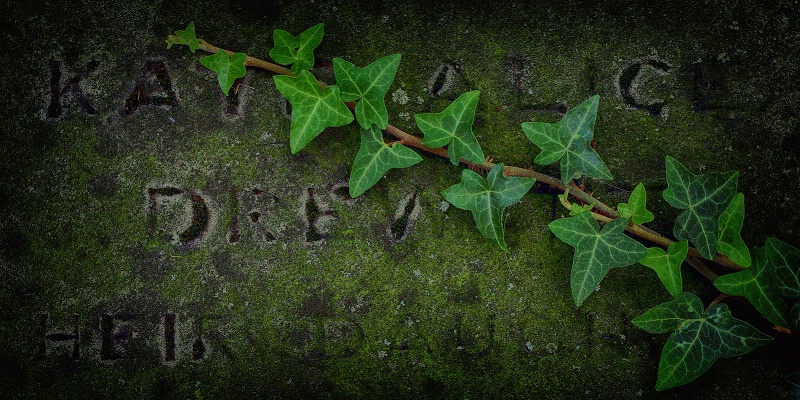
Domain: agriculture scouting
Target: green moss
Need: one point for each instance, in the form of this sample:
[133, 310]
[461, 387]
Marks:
[439, 313]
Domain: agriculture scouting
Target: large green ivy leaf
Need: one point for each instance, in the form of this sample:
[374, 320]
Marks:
[313, 109]
[297, 50]
[186, 36]
[785, 261]
[698, 339]
[596, 252]
[756, 284]
[228, 68]
[488, 198]
[569, 140]
[453, 128]
[703, 199]
[730, 228]
[668, 265]
[635, 208]
[375, 158]
[368, 86]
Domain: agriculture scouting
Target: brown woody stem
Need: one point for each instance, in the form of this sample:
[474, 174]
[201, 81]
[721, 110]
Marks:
[601, 212]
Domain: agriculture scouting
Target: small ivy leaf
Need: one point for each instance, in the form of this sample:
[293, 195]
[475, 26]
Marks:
[635, 207]
[755, 284]
[785, 261]
[730, 228]
[313, 109]
[569, 140]
[667, 317]
[368, 86]
[488, 198]
[297, 50]
[228, 68]
[186, 36]
[703, 199]
[596, 252]
[579, 209]
[375, 158]
[698, 340]
[453, 128]
[668, 265]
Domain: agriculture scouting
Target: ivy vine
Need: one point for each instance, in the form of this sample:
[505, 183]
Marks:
[712, 208]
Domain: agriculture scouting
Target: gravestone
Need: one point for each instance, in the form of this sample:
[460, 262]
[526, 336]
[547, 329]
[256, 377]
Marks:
[160, 241]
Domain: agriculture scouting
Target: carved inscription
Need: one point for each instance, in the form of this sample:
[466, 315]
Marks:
[68, 92]
[153, 88]
[404, 217]
[520, 75]
[169, 337]
[50, 341]
[197, 223]
[316, 215]
[445, 85]
[640, 82]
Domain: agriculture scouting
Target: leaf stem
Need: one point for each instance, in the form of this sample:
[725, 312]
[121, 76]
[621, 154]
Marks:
[603, 213]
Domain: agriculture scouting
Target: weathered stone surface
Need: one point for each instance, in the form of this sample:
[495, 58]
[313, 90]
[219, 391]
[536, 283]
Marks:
[159, 240]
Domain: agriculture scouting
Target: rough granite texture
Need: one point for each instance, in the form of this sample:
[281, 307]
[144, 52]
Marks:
[160, 241]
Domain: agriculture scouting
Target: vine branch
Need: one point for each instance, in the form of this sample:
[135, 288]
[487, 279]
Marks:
[601, 212]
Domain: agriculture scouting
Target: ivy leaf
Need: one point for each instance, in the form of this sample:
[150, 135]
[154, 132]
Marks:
[575, 208]
[785, 261]
[698, 339]
[297, 50]
[186, 36]
[228, 68]
[794, 315]
[755, 284]
[730, 228]
[569, 140]
[375, 158]
[313, 109]
[635, 207]
[596, 252]
[669, 316]
[703, 199]
[368, 86]
[488, 198]
[453, 128]
[668, 264]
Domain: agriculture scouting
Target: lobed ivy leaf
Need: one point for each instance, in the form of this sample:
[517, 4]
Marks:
[668, 265]
[375, 158]
[297, 50]
[575, 208]
[228, 68]
[756, 284]
[698, 339]
[488, 198]
[703, 199]
[596, 252]
[785, 261]
[368, 86]
[669, 316]
[730, 229]
[635, 207]
[313, 109]
[453, 128]
[569, 140]
[186, 36]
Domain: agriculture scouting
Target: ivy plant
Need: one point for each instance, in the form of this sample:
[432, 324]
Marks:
[708, 228]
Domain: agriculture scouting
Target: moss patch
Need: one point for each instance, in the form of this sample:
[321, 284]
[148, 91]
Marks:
[289, 288]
